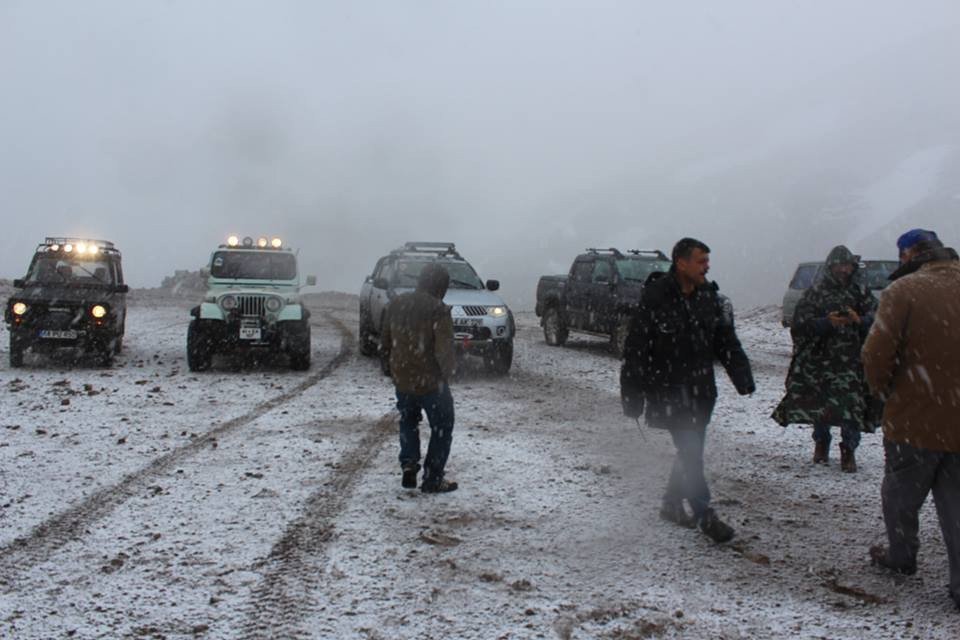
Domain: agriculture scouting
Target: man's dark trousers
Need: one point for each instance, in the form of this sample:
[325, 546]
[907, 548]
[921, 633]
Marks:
[439, 409]
[687, 479]
[910, 474]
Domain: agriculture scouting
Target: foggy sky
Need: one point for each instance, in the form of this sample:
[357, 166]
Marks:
[522, 131]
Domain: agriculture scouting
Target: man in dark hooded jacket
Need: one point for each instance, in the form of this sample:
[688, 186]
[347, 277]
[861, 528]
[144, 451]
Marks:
[417, 342]
[677, 332]
[825, 385]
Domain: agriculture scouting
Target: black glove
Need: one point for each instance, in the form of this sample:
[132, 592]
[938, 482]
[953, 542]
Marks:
[632, 405]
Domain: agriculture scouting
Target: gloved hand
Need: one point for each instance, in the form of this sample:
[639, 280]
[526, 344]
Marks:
[632, 405]
[747, 389]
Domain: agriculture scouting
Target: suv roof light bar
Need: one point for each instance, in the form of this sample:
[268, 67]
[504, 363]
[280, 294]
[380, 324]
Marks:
[102, 244]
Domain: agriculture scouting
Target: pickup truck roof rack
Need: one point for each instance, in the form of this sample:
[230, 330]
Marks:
[431, 248]
[57, 243]
[649, 252]
[611, 250]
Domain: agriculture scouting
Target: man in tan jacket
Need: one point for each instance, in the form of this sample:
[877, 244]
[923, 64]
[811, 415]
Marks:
[911, 359]
[417, 344]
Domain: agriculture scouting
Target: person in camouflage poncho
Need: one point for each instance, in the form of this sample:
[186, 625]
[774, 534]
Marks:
[825, 385]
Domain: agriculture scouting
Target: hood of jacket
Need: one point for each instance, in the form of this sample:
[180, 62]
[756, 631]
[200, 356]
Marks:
[933, 255]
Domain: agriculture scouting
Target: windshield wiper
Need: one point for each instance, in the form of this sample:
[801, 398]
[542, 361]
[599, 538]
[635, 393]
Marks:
[466, 285]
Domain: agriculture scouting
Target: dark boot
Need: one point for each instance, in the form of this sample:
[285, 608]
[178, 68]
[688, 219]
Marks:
[715, 528]
[848, 461]
[409, 480]
[675, 513]
[821, 453]
[880, 557]
[444, 486]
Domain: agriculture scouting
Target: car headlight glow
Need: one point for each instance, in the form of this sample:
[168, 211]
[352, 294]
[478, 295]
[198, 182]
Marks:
[98, 311]
[68, 248]
[262, 243]
[497, 312]
[233, 241]
[19, 308]
[273, 304]
[276, 243]
[229, 303]
[81, 247]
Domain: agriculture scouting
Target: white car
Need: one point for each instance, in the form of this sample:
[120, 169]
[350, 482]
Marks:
[482, 324]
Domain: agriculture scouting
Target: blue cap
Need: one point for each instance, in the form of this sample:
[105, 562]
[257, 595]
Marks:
[915, 236]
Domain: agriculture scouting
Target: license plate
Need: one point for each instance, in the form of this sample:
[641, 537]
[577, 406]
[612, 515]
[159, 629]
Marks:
[466, 323]
[249, 333]
[58, 334]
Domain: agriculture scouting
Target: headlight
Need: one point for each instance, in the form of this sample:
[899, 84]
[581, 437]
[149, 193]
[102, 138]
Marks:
[229, 303]
[273, 304]
[19, 308]
[497, 312]
[98, 311]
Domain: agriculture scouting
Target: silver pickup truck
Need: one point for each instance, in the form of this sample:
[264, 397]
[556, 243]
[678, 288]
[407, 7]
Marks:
[482, 324]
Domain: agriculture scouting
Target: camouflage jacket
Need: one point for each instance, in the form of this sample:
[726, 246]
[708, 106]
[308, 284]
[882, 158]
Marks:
[825, 383]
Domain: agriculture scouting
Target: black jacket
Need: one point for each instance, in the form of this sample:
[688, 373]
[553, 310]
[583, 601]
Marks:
[670, 352]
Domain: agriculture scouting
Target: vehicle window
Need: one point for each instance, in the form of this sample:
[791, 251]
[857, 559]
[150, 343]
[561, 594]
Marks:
[875, 273]
[462, 275]
[637, 269]
[601, 271]
[582, 270]
[253, 265]
[805, 276]
[119, 272]
[378, 268]
[64, 269]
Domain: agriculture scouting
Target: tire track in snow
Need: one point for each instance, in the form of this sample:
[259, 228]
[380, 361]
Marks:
[70, 524]
[291, 576]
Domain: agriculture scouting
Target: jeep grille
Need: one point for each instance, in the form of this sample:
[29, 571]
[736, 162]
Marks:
[251, 305]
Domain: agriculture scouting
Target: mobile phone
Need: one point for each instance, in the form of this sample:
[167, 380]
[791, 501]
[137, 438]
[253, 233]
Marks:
[843, 314]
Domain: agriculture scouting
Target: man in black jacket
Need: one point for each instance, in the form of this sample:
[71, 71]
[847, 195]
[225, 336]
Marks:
[677, 332]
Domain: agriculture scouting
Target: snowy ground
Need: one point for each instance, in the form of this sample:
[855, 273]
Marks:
[251, 501]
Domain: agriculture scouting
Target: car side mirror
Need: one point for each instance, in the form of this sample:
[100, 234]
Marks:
[493, 285]
[18, 283]
[311, 281]
[121, 288]
[381, 283]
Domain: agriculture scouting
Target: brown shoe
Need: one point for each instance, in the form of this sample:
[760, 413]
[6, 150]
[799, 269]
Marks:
[848, 461]
[820, 453]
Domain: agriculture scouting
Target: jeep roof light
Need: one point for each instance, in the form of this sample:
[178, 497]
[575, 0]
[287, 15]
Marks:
[234, 242]
[81, 246]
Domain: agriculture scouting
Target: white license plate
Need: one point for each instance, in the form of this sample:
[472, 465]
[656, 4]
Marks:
[249, 333]
[467, 323]
[58, 334]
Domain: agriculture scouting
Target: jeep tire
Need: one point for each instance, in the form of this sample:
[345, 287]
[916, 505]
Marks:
[199, 347]
[298, 341]
[555, 331]
[17, 347]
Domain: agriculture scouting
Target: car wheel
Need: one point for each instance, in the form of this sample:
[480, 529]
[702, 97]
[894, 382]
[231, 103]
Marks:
[554, 330]
[17, 347]
[618, 338]
[365, 338]
[500, 359]
[299, 346]
[199, 348]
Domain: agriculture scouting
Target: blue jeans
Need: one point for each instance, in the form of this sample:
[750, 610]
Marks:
[439, 409]
[849, 435]
[687, 480]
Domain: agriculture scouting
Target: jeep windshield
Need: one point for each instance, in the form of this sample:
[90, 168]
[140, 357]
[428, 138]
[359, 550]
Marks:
[875, 274]
[69, 270]
[253, 265]
[637, 269]
[462, 275]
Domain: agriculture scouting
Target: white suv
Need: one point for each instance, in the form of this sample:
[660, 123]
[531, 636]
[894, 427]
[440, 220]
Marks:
[482, 324]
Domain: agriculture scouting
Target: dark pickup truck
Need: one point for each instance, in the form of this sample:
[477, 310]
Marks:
[597, 296]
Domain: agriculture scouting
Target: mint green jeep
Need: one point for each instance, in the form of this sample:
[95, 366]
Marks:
[252, 303]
